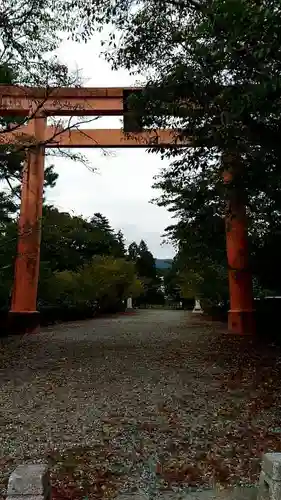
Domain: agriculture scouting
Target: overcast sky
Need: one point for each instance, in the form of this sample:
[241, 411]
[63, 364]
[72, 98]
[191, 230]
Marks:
[121, 190]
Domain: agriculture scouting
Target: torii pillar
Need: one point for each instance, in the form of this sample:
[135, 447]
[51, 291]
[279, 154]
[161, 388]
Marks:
[241, 316]
[24, 317]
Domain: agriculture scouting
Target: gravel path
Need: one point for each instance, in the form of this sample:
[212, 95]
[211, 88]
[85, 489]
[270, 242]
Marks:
[154, 401]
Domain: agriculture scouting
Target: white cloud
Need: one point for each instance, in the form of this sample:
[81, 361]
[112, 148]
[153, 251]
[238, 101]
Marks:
[121, 190]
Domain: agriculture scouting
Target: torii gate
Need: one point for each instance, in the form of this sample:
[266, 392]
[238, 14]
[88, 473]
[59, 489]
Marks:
[38, 104]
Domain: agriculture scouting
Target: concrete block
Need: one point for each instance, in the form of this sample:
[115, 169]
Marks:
[271, 465]
[29, 482]
[270, 477]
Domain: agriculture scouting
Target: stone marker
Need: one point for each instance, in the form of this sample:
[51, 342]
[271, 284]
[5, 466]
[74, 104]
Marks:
[29, 482]
[197, 308]
[129, 304]
[270, 477]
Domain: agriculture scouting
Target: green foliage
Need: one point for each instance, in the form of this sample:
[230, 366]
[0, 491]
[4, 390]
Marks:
[32, 31]
[213, 72]
[146, 270]
[70, 241]
[83, 262]
[171, 284]
[201, 260]
[104, 281]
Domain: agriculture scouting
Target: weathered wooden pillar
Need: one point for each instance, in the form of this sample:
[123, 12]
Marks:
[241, 316]
[24, 316]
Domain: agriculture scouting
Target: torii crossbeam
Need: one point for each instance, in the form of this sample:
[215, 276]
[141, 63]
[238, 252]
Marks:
[37, 104]
[96, 138]
[16, 100]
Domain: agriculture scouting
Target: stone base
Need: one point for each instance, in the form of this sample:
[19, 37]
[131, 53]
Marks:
[242, 322]
[197, 307]
[130, 311]
[270, 477]
[29, 482]
[20, 323]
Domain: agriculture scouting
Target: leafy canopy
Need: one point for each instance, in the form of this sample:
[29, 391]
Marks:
[212, 71]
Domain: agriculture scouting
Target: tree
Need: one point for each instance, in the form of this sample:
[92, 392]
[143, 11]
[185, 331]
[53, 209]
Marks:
[145, 263]
[146, 270]
[133, 251]
[81, 263]
[84, 260]
[113, 243]
[213, 65]
[104, 281]
[114, 279]
[32, 31]
[121, 243]
[171, 283]
[68, 241]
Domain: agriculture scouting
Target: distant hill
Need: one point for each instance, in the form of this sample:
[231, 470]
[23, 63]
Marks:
[163, 263]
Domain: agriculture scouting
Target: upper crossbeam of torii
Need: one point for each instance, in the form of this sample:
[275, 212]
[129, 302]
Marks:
[85, 101]
[28, 102]
[36, 104]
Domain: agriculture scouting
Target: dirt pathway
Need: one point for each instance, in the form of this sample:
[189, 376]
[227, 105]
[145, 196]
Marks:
[152, 401]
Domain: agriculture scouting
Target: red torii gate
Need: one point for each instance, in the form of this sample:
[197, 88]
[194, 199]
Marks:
[38, 104]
